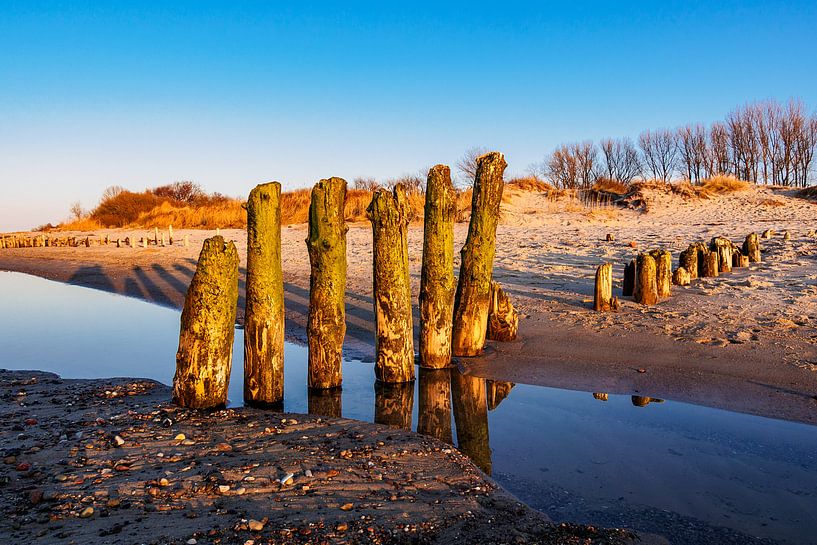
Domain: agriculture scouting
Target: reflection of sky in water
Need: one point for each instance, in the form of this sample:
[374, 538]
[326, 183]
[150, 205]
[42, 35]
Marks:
[726, 469]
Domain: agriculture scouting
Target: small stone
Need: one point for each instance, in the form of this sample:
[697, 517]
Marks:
[240, 490]
[192, 541]
[346, 507]
[255, 525]
[180, 437]
[23, 466]
[342, 527]
[308, 473]
[223, 488]
[88, 512]
[163, 482]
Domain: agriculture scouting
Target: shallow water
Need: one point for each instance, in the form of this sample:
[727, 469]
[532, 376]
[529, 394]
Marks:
[690, 473]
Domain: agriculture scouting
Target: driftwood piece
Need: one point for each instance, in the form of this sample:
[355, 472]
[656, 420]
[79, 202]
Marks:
[473, 297]
[394, 335]
[264, 303]
[326, 243]
[751, 248]
[646, 289]
[204, 357]
[470, 406]
[434, 414]
[437, 283]
[503, 320]
[393, 404]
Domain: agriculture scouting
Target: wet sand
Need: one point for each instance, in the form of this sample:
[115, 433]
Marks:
[111, 461]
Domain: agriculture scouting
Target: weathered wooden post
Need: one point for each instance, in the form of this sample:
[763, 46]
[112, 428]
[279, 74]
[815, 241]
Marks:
[264, 303]
[646, 288]
[186, 241]
[394, 336]
[744, 261]
[170, 234]
[628, 285]
[723, 247]
[437, 276]
[603, 292]
[326, 243]
[393, 404]
[471, 418]
[503, 320]
[326, 402]
[768, 233]
[751, 248]
[164, 239]
[204, 358]
[434, 414]
[144, 242]
[663, 272]
[681, 277]
[711, 265]
[786, 236]
[118, 243]
[473, 297]
[156, 236]
[688, 260]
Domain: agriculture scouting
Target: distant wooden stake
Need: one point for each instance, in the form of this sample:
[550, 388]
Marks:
[204, 358]
[603, 293]
[264, 310]
[470, 404]
[170, 234]
[711, 265]
[646, 289]
[437, 282]
[435, 404]
[144, 242]
[156, 236]
[326, 243]
[503, 320]
[473, 297]
[663, 272]
[751, 248]
[164, 239]
[186, 241]
[394, 335]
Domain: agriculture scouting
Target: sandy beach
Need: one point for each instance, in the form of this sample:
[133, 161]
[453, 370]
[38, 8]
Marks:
[745, 341]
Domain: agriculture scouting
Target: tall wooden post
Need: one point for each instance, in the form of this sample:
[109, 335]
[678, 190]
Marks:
[723, 247]
[264, 310]
[473, 296]
[751, 248]
[156, 236]
[711, 265]
[437, 276]
[434, 414]
[603, 293]
[394, 336]
[393, 404]
[470, 405]
[204, 358]
[646, 288]
[170, 234]
[326, 243]
[688, 260]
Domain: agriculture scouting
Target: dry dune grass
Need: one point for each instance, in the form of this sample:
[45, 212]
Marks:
[808, 192]
[719, 185]
[226, 214]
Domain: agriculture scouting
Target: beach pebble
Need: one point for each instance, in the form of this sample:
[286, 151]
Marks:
[86, 513]
[180, 437]
[256, 525]
[118, 440]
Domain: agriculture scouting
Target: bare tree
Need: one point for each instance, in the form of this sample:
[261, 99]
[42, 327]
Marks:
[366, 184]
[76, 210]
[720, 161]
[660, 152]
[410, 182]
[111, 192]
[621, 161]
[561, 168]
[467, 164]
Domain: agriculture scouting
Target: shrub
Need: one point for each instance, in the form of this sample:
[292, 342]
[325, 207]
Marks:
[125, 208]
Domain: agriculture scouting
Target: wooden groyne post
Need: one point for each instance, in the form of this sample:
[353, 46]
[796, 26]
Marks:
[326, 243]
[264, 308]
[394, 336]
[751, 248]
[663, 272]
[204, 357]
[646, 288]
[473, 297]
[437, 276]
[603, 292]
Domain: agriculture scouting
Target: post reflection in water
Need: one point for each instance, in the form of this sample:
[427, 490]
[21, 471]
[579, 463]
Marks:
[471, 418]
[393, 404]
[434, 415]
[497, 391]
[325, 402]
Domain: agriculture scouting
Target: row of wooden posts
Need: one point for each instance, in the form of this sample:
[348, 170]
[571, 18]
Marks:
[452, 321]
[48, 241]
[648, 278]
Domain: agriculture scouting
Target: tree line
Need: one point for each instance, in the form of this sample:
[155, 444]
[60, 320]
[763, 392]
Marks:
[763, 142]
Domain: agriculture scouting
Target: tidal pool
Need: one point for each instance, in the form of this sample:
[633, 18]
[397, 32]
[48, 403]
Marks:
[688, 473]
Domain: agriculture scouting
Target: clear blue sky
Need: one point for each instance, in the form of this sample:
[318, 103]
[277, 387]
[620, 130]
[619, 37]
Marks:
[230, 94]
